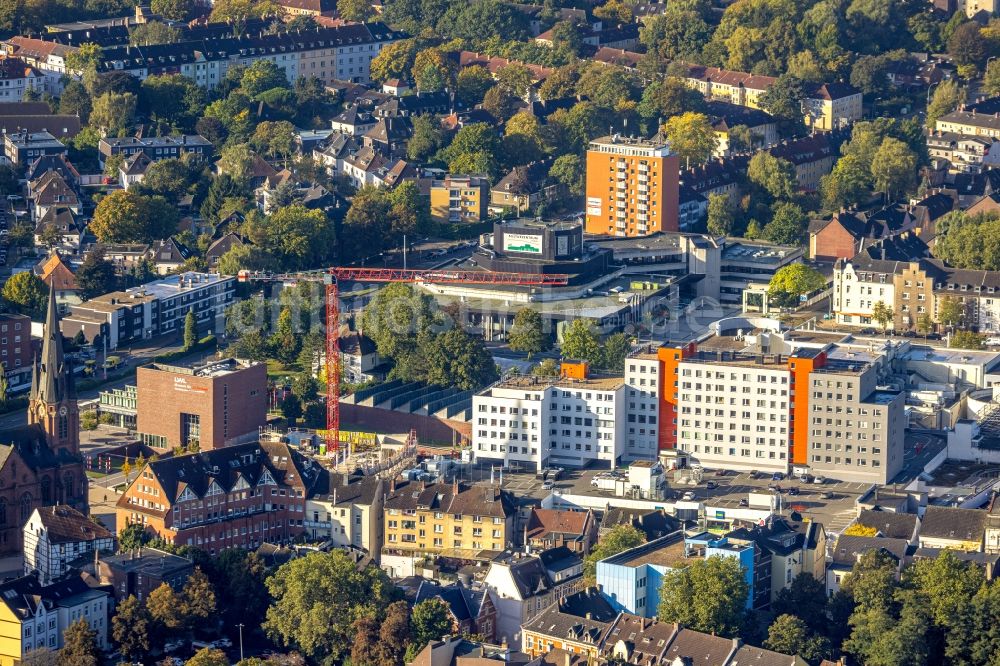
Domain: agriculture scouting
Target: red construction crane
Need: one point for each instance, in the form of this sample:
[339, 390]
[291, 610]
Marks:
[331, 277]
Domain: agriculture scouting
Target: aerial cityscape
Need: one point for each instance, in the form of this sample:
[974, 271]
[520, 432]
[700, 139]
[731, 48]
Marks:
[493, 333]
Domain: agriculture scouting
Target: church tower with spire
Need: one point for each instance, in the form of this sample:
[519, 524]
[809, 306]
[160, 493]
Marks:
[52, 403]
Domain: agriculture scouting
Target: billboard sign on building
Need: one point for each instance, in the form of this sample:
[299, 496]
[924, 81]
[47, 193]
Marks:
[526, 243]
[594, 206]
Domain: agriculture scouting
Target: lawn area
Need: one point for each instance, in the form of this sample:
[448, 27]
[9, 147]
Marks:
[277, 370]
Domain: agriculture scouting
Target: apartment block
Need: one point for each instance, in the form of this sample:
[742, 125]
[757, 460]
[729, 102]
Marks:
[826, 106]
[819, 409]
[451, 520]
[642, 381]
[533, 422]
[236, 497]
[152, 309]
[347, 510]
[632, 187]
[156, 148]
[459, 199]
[22, 147]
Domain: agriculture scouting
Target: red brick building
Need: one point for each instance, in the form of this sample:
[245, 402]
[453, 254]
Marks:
[836, 238]
[208, 404]
[235, 497]
[40, 463]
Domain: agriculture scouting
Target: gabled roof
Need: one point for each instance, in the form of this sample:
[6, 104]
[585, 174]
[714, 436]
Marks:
[59, 163]
[945, 522]
[222, 245]
[849, 548]
[169, 251]
[51, 189]
[56, 275]
[64, 524]
[458, 598]
[61, 217]
[700, 648]
[452, 498]
[583, 617]
[543, 522]
[888, 523]
[525, 179]
[24, 596]
[136, 164]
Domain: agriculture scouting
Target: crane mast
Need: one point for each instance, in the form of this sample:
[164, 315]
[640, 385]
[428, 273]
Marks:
[331, 278]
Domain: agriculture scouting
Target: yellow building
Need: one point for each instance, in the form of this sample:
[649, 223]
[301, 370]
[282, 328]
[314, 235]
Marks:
[633, 187]
[827, 106]
[459, 199]
[454, 520]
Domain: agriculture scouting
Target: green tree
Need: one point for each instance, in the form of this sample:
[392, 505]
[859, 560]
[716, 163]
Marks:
[975, 637]
[882, 314]
[616, 349]
[580, 342]
[872, 581]
[848, 183]
[208, 657]
[285, 341]
[721, 217]
[431, 620]
[113, 113]
[316, 598]
[789, 634]
[787, 225]
[792, 281]
[432, 71]
[773, 174]
[166, 611]
[198, 598]
[472, 84]
[190, 330]
[670, 97]
[124, 216]
[968, 45]
[680, 33]
[394, 61]
[153, 32]
[691, 136]
[26, 292]
[395, 633]
[261, 76]
[526, 335]
[947, 96]
[295, 236]
[569, 170]
[132, 536]
[805, 598]
[924, 323]
[894, 168]
[130, 628]
[967, 340]
[176, 10]
[355, 10]
[881, 638]
[784, 100]
[75, 100]
[427, 138]
[548, 367]
[619, 539]
[708, 595]
[455, 358]
[291, 408]
[79, 645]
[991, 79]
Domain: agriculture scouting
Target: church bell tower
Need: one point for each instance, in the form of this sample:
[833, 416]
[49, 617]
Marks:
[52, 403]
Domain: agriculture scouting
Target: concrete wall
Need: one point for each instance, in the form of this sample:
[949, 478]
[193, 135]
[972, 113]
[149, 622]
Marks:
[429, 428]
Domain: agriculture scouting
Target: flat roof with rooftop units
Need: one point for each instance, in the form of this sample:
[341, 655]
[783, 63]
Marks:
[744, 251]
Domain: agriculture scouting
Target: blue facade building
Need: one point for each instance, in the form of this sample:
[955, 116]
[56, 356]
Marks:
[631, 580]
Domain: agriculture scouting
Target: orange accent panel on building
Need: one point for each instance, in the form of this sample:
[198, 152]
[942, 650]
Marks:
[670, 358]
[800, 368]
[574, 369]
[632, 187]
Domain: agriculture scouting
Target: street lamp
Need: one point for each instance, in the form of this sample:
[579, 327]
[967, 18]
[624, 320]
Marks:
[240, 625]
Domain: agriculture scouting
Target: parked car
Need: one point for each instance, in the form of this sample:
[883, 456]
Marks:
[711, 485]
[777, 476]
[689, 496]
[826, 495]
[793, 491]
[744, 502]
[549, 485]
[819, 480]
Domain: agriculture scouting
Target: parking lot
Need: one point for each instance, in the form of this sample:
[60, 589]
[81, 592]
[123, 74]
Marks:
[832, 503]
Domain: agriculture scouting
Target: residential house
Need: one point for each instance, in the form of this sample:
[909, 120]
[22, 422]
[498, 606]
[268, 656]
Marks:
[347, 511]
[849, 549]
[22, 147]
[576, 623]
[55, 536]
[419, 103]
[524, 188]
[57, 276]
[848, 232]
[353, 121]
[17, 78]
[522, 588]
[359, 359]
[34, 616]
[785, 549]
[47, 57]
[133, 169]
[813, 157]
[719, 176]
[692, 207]
[458, 651]
[395, 87]
[552, 528]
[471, 610]
[308, 7]
[459, 198]
[953, 528]
[890, 524]
[59, 163]
[654, 523]
[389, 135]
[52, 191]
[726, 116]
[58, 228]
[169, 255]
[156, 148]
[221, 246]
[136, 573]
[455, 520]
